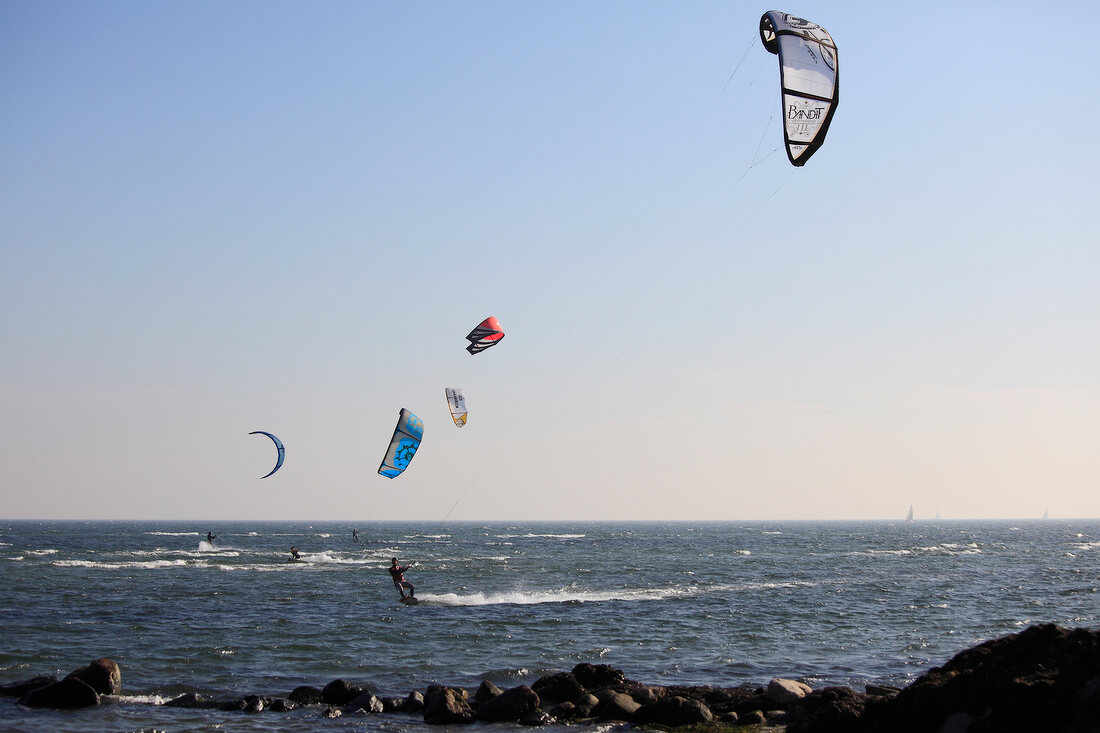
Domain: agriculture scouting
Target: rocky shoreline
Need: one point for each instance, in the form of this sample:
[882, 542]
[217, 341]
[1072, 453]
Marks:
[1045, 678]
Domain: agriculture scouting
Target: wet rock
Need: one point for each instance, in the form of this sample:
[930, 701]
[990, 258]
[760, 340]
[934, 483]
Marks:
[586, 703]
[512, 704]
[233, 705]
[414, 703]
[331, 713]
[1038, 679]
[882, 690]
[616, 706]
[560, 687]
[366, 702]
[306, 695]
[599, 676]
[487, 691]
[102, 675]
[21, 688]
[674, 711]
[446, 706]
[787, 691]
[254, 704]
[186, 700]
[282, 705]
[392, 704]
[565, 711]
[68, 694]
[340, 692]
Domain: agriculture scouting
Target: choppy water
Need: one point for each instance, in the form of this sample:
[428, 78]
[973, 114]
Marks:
[711, 603]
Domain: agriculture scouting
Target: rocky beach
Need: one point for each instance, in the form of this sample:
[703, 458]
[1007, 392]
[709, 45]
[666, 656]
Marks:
[1045, 678]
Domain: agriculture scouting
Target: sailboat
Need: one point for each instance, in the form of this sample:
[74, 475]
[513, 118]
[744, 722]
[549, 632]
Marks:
[1046, 514]
[909, 516]
[938, 513]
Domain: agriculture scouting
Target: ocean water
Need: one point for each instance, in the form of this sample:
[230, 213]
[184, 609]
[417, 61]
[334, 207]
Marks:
[733, 603]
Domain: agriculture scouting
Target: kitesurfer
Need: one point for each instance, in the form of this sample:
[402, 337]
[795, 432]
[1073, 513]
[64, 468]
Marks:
[294, 553]
[355, 535]
[210, 536]
[399, 582]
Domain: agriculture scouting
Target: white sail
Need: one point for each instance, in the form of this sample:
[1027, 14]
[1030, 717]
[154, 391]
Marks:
[909, 516]
[456, 401]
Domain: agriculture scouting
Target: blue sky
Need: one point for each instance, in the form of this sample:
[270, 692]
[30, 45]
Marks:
[218, 218]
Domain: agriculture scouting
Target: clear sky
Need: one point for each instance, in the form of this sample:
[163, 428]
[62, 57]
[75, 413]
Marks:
[224, 217]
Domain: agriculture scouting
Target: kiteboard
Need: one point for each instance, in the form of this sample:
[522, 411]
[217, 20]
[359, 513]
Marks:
[410, 600]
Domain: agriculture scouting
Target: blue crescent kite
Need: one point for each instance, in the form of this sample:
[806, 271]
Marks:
[278, 444]
[406, 439]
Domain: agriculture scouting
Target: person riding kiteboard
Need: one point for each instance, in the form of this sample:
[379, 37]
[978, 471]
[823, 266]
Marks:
[397, 572]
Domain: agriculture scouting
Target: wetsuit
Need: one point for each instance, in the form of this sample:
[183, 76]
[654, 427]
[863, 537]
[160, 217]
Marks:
[399, 581]
[210, 537]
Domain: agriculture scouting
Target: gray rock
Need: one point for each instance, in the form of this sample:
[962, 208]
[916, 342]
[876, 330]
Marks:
[598, 676]
[777, 717]
[487, 691]
[674, 711]
[254, 704]
[787, 691]
[617, 706]
[306, 695]
[414, 703]
[730, 718]
[753, 717]
[68, 694]
[512, 704]
[589, 701]
[102, 675]
[282, 705]
[646, 695]
[392, 704]
[331, 713]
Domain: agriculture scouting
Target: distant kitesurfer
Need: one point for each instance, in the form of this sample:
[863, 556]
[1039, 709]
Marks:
[210, 536]
[399, 582]
[294, 553]
[355, 535]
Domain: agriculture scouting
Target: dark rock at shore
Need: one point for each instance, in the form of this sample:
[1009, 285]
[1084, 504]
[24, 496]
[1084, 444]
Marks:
[674, 711]
[414, 703]
[186, 700]
[306, 695]
[1044, 678]
[616, 706]
[830, 710]
[254, 704]
[486, 692]
[560, 687]
[102, 675]
[752, 717]
[21, 688]
[282, 705]
[68, 694]
[447, 706]
[366, 702]
[512, 704]
[565, 711]
[536, 719]
[599, 676]
[647, 694]
[340, 692]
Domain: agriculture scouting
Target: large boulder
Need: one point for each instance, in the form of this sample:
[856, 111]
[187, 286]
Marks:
[512, 704]
[21, 688]
[367, 702]
[560, 687]
[599, 676]
[68, 694]
[785, 692]
[674, 711]
[414, 703]
[102, 675]
[446, 706]
[1043, 678]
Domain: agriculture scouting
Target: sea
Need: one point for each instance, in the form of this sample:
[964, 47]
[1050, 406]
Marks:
[709, 603]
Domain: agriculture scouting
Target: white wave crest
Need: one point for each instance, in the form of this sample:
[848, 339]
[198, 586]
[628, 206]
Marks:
[530, 535]
[176, 534]
[564, 595]
[150, 565]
